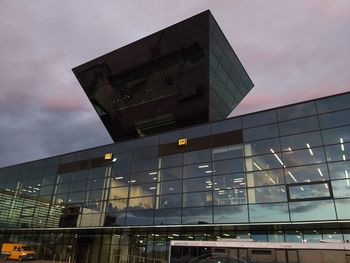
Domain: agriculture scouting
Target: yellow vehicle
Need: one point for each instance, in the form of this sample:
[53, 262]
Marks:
[17, 251]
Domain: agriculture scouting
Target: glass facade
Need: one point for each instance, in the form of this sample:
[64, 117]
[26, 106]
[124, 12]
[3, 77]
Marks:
[289, 170]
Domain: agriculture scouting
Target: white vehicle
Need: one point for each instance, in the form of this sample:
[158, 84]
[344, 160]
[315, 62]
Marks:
[248, 251]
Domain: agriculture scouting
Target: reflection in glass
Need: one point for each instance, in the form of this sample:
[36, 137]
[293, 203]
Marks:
[261, 147]
[343, 210]
[341, 188]
[300, 141]
[197, 199]
[173, 173]
[235, 196]
[169, 201]
[303, 157]
[260, 118]
[263, 132]
[228, 166]
[171, 187]
[298, 126]
[171, 160]
[338, 152]
[296, 111]
[266, 177]
[197, 170]
[333, 136]
[142, 190]
[277, 212]
[229, 181]
[118, 193]
[167, 216]
[197, 184]
[312, 210]
[139, 217]
[339, 170]
[197, 156]
[264, 162]
[141, 203]
[267, 194]
[305, 191]
[310, 173]
[231, 214]
[330, 120]
[198, 215]
[227, 152]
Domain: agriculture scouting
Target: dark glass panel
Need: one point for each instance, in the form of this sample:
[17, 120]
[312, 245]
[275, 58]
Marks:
[62, 188]
[336, 135]
[261, 147]
[298, 126]
[303, 157]
[174, 173]
[78, 197]
[97, 173]
[142, 218]
[121, 169]
[145, 165]
[333, 103]
[198, 215]
[264, 162]
[141, 203]
[267, 177]
[145, 153]
[226, 125]
[306, 191]
[198, 199]
[312, 210]
[296, 111]
[237, 196]
[144, 142]
[229, 181]
[303, 174]
[231, 214]
[227, 166]
[171, 187]
[78, 186]
[123, 146]
[170, 137]
[227, 152]
[267, 194]
[142, 190]
[145, 177]
[338, 152]
[171, 160]
[169, 201]
[259, 118]
[197, 170]
[300, 141]
[197, 156]
[167, 217]
[277, 212]
[199, 131]
[96, 183]
[64, 178]
[198, 184]
[80, 175]
[96, 195]
[263, 132]
[123, 157]
[339, 170]
[46, 190]
[120, 181]
[341, 188]
[340, 118]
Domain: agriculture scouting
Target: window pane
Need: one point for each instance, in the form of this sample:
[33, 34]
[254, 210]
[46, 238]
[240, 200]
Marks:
[226, 125]
[343, 210]
[298, 126]
[142, 190]
[141, 203]
[296, 111]
[261, 147]
[146, 153]
[145, 177]
[312, 210]
[170, 201]
[341, 188]
[300, 141]
[227, 152]
[197, 199]
[228, 166]
[231, 214]
[259, 118]
[305, 191]
[171, 187]
[197, 156]
[145, 165]
[264, 162]
[267, 177]
[336, 135]
[171, 160]
[141, 218]
[269, 212]
[263, 132]
[303, 157]
[308, 174]
[199, 131]
[333, 103]
[237, 196]
[118, 193]
[196, 170]
[229, 181]
[339, 170]
[198, 215]
[197, 184]
[340, 118]
[167, 216]
[267, 194]
[338, 152]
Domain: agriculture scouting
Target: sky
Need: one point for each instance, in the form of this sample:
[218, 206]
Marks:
[293, 51]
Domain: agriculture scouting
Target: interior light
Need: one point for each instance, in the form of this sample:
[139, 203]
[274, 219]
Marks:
[119, 178]
[344, 158]
[302, 188]
[203, 166]
[290, 149]
[114, 160]
[208, 172]
[152, 173]
[257, 166]
[326, 185]
[341, 140]
[182, 142]
[152, 188]
[282, 190]
[280, 161]
[295, 180]
[308, 146]
[272, 180]
[347, 177]
[319, 171]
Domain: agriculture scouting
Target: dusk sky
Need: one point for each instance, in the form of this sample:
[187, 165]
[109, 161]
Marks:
[293, 51]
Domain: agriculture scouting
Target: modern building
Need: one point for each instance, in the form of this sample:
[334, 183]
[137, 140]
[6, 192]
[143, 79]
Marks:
[178, 168]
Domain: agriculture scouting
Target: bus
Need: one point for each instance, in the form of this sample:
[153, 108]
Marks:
[249, 251]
